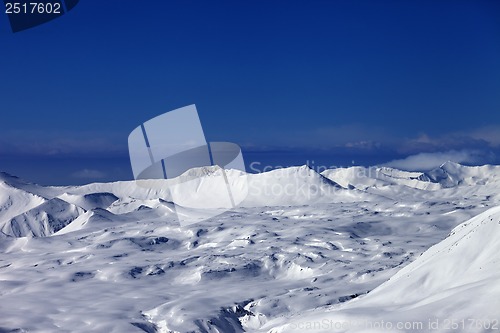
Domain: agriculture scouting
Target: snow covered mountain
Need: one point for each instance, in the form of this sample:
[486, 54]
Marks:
[42, 220]
[448, 175]
[363, 178]
[112, 257]
[452, 174]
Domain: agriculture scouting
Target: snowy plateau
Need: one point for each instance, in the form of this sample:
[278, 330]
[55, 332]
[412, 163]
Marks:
[345, 250]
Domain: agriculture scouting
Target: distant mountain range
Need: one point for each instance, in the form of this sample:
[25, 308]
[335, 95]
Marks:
[349, 246]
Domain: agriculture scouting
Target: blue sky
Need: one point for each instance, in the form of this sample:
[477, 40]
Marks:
[334, 82]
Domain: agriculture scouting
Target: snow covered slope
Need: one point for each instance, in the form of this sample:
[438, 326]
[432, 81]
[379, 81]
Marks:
[91, 200]
[14, 201]
[455, 285]
[363, 178]
[451, 174]
[297, 185]
[42, 220]
[448, 175]
[112, 257]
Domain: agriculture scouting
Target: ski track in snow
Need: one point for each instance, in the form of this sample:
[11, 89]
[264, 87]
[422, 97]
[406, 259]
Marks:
[118, 260]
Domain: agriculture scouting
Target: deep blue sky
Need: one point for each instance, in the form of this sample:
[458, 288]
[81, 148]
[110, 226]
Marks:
[290, 81]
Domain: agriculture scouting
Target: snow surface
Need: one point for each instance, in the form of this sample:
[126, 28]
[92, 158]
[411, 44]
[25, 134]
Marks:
[342, 246]
[455, 285]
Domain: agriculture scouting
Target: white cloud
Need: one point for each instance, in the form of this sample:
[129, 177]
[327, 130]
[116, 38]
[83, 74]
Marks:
[88, 174]
[428, 161]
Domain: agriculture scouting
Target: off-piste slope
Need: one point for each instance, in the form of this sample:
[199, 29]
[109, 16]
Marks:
[42, 220]
[448, 175]
[363, 178]
[277, 187]
[14, 201]
[298, 242]
[295, 186]
[454, 285]
[452, 174]
[91, 200]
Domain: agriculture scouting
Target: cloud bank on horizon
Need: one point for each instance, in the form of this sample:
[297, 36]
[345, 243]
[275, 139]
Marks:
[429, 161]
[86, 157]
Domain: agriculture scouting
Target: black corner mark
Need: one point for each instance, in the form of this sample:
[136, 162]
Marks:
[26, 14]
